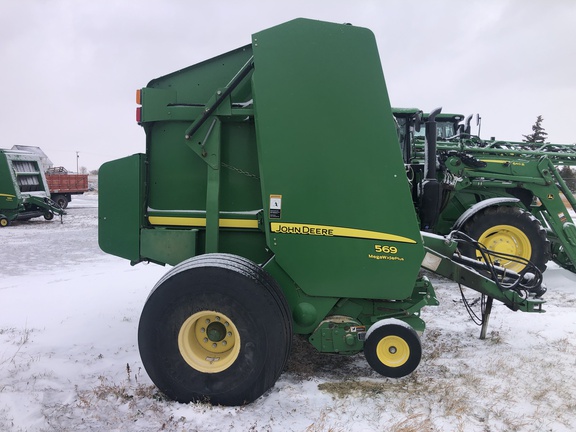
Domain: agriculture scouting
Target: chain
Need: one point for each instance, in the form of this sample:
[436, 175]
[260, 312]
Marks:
[240, 171]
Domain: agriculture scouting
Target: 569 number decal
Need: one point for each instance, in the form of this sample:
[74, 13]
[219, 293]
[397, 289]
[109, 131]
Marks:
[385, 249]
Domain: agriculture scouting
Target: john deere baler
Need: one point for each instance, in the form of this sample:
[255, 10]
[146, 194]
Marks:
[24, 193]
[274, 185]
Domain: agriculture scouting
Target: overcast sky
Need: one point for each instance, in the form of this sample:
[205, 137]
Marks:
[70, 68]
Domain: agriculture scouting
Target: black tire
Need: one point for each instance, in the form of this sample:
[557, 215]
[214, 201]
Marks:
[48, 216]
[217, 289]
[392, 348]
[509, 230]
[61, 201]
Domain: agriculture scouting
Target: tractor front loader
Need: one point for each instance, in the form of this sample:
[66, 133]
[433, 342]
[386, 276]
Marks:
[508, 196]
[278, 194]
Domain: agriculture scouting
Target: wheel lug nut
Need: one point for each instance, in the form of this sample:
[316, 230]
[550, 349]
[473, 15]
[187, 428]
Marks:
[214, 345]
[205, 340]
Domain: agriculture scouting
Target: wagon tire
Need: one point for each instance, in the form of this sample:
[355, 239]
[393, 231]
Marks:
[392, 348]
[509, 230]
[216, 328]
[61, 201]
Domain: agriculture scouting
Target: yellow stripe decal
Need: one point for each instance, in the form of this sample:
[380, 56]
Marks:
[201, 222]
[332, 231]
[494, 161]
[8, 195]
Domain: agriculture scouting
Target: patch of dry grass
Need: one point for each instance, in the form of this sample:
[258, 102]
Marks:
[449, 384]
[305, 362]
[321, 425]
[414, 423]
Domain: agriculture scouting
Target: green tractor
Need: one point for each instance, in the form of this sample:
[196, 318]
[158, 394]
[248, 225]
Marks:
[278, 194]
[508, 196]
[24, 193]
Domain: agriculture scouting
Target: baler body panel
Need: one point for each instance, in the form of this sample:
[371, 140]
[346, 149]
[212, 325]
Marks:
[329, 158]
[121, 206]
[180, 183]
[20, 175]
[173, 167]
[9, 192]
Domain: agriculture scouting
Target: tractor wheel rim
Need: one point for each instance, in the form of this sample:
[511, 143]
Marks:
[393, 351]
[507, 239]
[209, 341]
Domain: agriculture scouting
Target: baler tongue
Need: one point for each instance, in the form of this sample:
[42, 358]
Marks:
[49, 207]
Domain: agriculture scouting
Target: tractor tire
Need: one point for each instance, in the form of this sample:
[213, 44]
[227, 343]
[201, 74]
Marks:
[392, 348]
[512, 231]
[4, 222]
[216, 328]
[48, 216]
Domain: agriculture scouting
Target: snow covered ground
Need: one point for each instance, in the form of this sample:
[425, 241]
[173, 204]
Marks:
[69, 359]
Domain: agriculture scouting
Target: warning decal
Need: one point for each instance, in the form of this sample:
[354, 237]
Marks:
[275, 206]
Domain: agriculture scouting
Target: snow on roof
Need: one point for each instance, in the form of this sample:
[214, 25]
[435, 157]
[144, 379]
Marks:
[46, 162]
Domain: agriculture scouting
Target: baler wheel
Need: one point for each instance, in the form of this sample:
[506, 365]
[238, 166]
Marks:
[207, 335]
[392, 348]
[216, 328]
[4, 222]
[48, 216]
[509, 230]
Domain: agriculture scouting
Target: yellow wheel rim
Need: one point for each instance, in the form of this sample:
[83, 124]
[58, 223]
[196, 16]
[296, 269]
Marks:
[507, 239]
[393, 351]
[3, 222]
[209, 341]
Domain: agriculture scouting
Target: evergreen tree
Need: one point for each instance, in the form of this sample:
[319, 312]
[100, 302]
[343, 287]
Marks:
[538, 134]
[569, 177]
